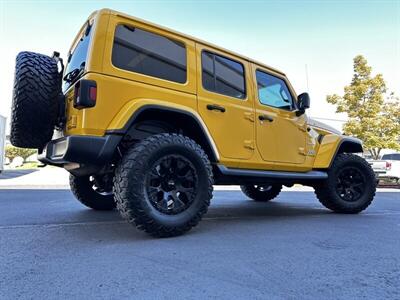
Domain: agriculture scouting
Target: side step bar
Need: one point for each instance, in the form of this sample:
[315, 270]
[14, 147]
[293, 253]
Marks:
[273, 174]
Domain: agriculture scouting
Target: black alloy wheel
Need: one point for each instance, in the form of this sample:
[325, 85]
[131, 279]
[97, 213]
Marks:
[95, 191]
[163, 184]
[101, 185]
[350, 184]
[172, 184]
[261, 192]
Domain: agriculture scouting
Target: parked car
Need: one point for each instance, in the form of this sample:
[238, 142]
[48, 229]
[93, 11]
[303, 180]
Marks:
[148, 119]
[2, 142]
[387, 169]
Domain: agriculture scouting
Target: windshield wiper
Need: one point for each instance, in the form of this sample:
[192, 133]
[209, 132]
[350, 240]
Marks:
[75, 73]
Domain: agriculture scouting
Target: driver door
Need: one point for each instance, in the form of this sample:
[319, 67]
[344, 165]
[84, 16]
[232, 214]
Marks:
[281, 135]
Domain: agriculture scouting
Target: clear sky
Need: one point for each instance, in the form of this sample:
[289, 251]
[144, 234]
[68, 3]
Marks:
[288, 35]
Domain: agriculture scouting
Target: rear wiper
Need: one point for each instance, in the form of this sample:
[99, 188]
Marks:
[72, 75]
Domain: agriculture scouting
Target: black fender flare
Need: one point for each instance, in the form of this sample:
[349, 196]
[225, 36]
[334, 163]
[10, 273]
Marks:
[348, 144]
[210, 142]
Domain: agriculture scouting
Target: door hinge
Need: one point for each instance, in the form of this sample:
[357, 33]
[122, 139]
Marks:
[249, 144]
[72, 121]
[249, 116]
[303, 128]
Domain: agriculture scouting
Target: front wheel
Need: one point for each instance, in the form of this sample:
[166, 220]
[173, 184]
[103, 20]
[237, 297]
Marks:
[350, 187]
[261, 192]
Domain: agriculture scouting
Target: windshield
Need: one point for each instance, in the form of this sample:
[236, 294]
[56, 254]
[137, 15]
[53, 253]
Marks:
[77, 59]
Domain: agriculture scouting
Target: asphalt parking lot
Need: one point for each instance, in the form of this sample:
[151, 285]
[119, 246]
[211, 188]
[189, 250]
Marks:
[292, 248]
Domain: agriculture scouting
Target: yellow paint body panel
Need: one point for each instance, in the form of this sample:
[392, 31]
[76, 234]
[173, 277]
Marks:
[232, 130]
[327, 150]
[240, 139]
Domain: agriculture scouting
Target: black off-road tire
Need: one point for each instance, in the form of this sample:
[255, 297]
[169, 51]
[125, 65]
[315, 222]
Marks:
[82, 188]
[131, 185]
[261, 193]
[37, 84]
[327, 191]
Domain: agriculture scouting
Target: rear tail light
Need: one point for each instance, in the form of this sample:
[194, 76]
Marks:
[93, 93]
[388, 165]
[77, 91]
[85, 94]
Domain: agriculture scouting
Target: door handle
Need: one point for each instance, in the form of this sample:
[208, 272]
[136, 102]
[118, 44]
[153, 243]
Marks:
[215, 107]
[265, 118]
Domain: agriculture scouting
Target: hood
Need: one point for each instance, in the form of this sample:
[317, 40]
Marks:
[317, 124]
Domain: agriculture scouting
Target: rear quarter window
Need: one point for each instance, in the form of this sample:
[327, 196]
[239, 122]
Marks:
[147, 53]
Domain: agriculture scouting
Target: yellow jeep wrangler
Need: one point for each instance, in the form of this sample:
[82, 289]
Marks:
[147, 119]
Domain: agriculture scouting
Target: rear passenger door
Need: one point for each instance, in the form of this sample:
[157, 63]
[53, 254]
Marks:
[224, 102]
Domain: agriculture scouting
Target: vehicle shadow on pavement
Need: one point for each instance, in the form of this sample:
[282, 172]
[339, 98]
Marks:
[248, 209]
[239, 213]
[9, 174]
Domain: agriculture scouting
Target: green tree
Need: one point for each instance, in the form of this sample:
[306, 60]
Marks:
[12, 152]
[370, 118]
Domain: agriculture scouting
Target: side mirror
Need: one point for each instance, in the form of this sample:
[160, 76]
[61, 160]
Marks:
[303, 102]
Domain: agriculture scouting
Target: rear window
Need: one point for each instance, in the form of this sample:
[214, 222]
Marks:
[77, 58]
[395, 156]
[147, 53]
[223, 75]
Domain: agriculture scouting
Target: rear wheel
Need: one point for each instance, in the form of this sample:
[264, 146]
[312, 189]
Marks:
[93, 191]
[261, 193]
[163, 185]
[350, 187]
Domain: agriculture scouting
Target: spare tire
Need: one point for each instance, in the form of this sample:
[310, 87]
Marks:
[37, 85]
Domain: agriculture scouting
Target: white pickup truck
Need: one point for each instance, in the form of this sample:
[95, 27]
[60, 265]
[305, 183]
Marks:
[387, 169]
[2, 141]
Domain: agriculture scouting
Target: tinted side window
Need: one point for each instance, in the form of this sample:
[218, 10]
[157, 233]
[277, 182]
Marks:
[273, 91]
[223, 75]
[150, 54]
[393, 156]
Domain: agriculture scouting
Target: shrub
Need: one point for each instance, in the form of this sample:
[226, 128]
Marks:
[12, 152]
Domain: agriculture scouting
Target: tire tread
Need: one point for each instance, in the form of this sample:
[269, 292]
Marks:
[325, 191]
[37, 84]
[259, 196]
[87, 196]
[132, 163]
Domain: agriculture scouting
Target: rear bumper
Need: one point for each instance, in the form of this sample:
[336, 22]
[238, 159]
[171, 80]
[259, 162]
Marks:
[382, 175]
[87, 150]
[388, 179]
